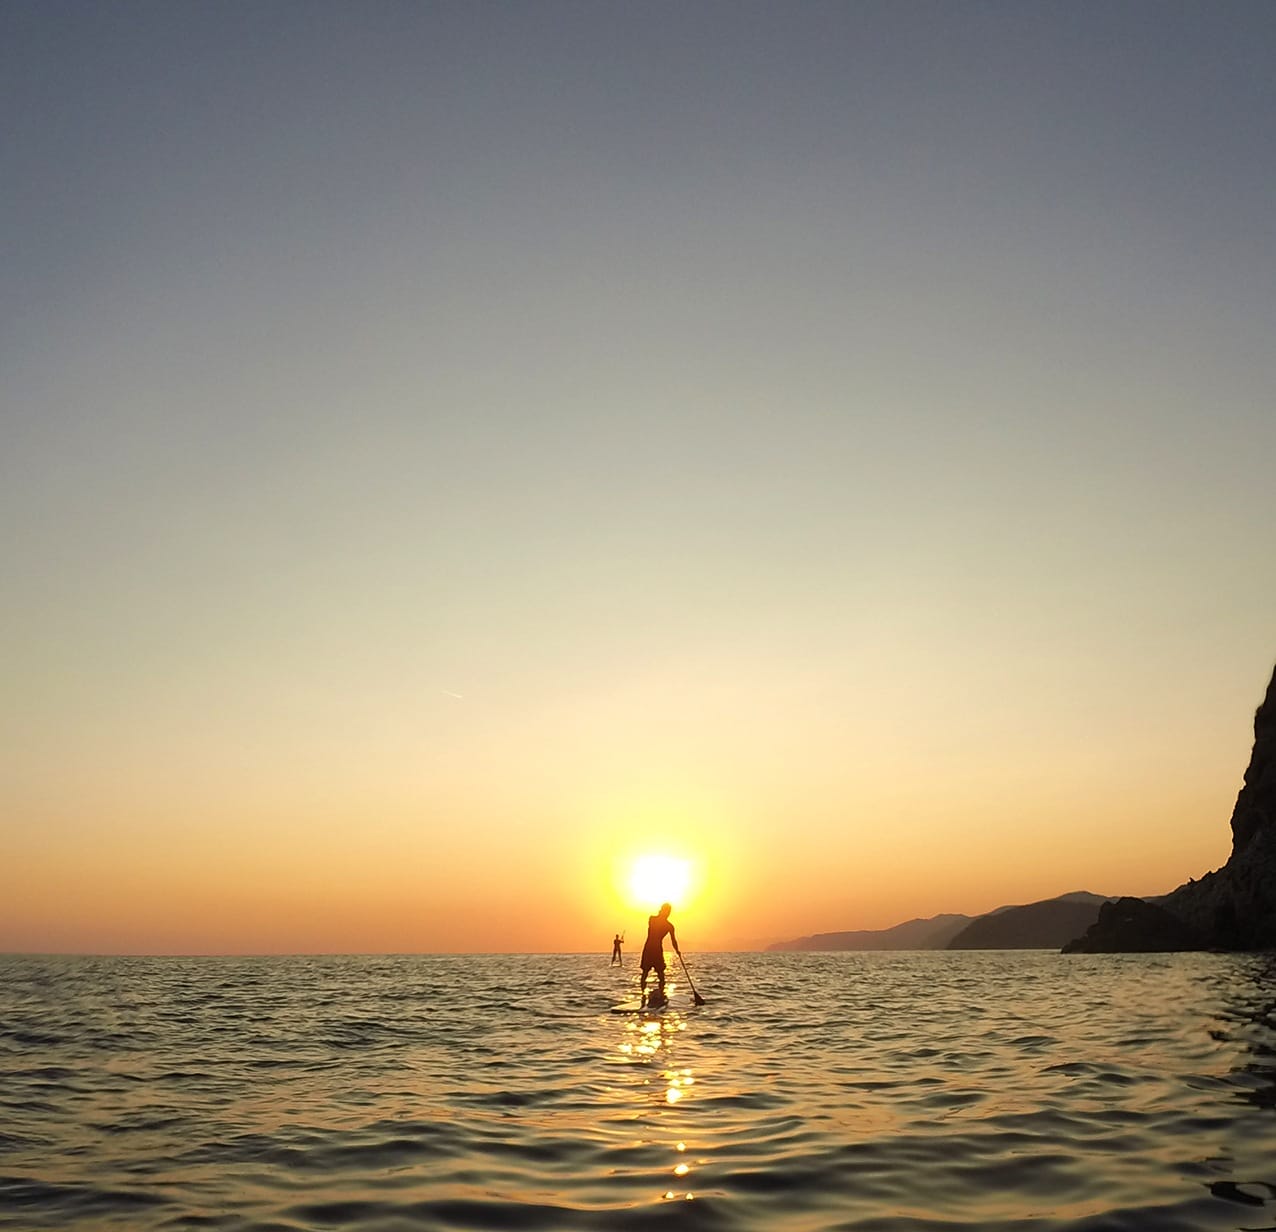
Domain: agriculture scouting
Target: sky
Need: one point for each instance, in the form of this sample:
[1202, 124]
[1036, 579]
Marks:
[452, 452]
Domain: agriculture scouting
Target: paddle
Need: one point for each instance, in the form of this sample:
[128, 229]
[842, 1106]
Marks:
[696, 998]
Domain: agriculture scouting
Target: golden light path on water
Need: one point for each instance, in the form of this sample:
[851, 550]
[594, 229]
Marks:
[866, 1093]
[653, 1034]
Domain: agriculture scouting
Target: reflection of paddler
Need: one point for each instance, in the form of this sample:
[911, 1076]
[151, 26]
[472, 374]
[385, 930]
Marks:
[653, 950]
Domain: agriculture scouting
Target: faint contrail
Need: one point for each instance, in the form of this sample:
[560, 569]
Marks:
[449, 693]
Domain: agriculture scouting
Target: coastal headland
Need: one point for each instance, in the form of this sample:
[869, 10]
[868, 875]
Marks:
[1231, 908]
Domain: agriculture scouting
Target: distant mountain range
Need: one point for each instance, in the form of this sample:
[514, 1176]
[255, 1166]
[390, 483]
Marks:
[1046, 925]
[932, 934]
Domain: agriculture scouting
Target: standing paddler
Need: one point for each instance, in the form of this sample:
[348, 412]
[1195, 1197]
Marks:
[653, 951]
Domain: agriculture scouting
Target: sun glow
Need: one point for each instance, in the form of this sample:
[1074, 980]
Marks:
[659, 878]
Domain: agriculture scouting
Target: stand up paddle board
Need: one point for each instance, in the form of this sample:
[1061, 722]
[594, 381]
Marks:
[634, 1006]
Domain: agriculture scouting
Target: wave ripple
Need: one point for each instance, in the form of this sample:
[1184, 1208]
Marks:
[848, 1092]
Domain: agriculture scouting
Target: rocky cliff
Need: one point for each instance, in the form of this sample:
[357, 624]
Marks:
[1232, 908]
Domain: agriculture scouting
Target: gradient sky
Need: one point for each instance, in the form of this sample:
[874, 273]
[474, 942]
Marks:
[450, 451]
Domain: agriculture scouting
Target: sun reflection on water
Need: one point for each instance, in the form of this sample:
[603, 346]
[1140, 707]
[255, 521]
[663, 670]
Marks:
[645, 1039]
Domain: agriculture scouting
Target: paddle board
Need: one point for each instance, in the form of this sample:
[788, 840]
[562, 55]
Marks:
[634, 1006]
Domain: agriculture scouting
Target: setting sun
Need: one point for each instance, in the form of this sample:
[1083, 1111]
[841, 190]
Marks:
[659, 879]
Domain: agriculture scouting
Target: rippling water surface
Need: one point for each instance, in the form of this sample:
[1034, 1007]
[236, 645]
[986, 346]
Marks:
[838, 1091]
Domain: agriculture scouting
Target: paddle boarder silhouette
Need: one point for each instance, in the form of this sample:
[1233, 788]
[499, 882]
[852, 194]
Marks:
[615, 948]
[653, 950]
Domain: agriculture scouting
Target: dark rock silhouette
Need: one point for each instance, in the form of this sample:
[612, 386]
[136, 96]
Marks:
[1034, 926]
[1234, 907]
[1133, 925]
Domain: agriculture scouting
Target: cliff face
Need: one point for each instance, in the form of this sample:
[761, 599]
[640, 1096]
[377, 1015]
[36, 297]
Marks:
[1233, 908]
[1255, 811]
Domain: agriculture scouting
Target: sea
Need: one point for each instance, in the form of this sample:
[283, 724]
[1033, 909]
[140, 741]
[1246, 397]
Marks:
[856, 1092]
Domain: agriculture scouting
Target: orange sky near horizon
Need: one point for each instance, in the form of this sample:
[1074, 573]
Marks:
[904, 824]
